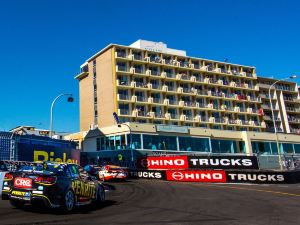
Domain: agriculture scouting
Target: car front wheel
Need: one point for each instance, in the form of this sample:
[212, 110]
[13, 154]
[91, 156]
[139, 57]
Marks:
[100, 195]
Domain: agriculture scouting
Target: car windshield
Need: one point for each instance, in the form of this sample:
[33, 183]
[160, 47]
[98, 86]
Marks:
[44, 168]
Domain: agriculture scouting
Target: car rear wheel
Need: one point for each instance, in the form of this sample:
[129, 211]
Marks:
[100, 195]
[16, 203]
[68, 201]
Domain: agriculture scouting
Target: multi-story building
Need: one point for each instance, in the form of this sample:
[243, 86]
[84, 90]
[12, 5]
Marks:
[147, 82]
[176, 103]
[286, 105]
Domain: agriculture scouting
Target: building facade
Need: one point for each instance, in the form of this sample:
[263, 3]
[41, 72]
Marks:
[286, 105]
[179, 104]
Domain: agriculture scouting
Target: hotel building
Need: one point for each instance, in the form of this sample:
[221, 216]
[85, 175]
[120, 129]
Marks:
[152, 87]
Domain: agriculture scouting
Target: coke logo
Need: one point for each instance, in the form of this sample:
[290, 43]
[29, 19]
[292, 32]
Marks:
[22, 182]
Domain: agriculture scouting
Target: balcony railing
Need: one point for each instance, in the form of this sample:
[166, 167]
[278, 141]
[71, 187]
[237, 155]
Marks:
[123, 97]
[189, 104]
[171, 88]
[121, 54]
[174, 116]
[137, 57]
[173, 102]
[171, 75]
[122, 68]
[157, 100]
[124, 112]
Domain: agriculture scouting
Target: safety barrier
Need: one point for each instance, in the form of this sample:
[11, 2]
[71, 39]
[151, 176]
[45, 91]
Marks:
[213, 169]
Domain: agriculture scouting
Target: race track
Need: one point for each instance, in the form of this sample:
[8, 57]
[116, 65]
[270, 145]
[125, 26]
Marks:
[161, 202]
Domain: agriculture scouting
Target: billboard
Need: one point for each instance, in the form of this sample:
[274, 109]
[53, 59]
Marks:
[40, 152]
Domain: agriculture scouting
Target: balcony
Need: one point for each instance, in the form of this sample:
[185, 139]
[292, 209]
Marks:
[154, 86]
[141, 85]
[291, 109]
[120, 54]
[123, 97]
[123, 112]
[157, 100]
[173, 102]
[190, 104]
[185, 77]
[202, 92]
[122, 83]
[141, 99]
[295, 130]
[136, 70]
[137, 57]
[294, 120]
[153, 72]
[159, 116]
[174, 116]
[170, 75]
[120, 68]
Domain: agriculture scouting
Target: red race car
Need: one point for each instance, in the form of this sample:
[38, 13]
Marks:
[112, 172]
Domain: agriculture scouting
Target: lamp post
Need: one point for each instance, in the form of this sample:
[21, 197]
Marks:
[70, 99]
[115, 115]
[130, 138]
[273, 118]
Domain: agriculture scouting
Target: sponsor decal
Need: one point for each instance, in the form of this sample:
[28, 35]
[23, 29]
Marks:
[50, 156]
[20, 193]
[148, 174]
[197, 176]
[84, 189]
[223, 162]
[20, 182]
[177, 162]
[258, 177]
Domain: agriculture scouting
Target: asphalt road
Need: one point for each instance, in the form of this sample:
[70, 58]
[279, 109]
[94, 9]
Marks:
[161, 202]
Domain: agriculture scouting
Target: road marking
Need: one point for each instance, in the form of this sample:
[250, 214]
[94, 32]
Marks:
[250, 189]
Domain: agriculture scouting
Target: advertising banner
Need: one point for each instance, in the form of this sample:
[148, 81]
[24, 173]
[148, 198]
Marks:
[148, 174]
[35, 152]
[223, 162]
[198, 162]
[163, 162]
[262, 177]
[212, 176]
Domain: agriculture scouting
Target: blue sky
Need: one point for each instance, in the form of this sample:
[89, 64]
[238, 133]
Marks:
[43, 43]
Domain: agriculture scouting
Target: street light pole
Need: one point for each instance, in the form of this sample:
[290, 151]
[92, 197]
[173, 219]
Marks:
[130, 136]
[70, 99]
[273, 118]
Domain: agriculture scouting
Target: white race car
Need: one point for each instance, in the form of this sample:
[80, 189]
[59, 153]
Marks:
[112, 172]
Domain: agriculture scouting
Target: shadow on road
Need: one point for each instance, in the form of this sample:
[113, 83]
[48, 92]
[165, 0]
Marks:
[78, 210]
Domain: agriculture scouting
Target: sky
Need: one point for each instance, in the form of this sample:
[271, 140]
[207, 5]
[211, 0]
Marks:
[44, 42]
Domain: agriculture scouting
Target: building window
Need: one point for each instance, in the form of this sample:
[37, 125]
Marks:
[159, 142]
[194, 144]
[96, 113]
[135, 142]
[98, 144]
[287, 148]
[223, 146]
[264, 148]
